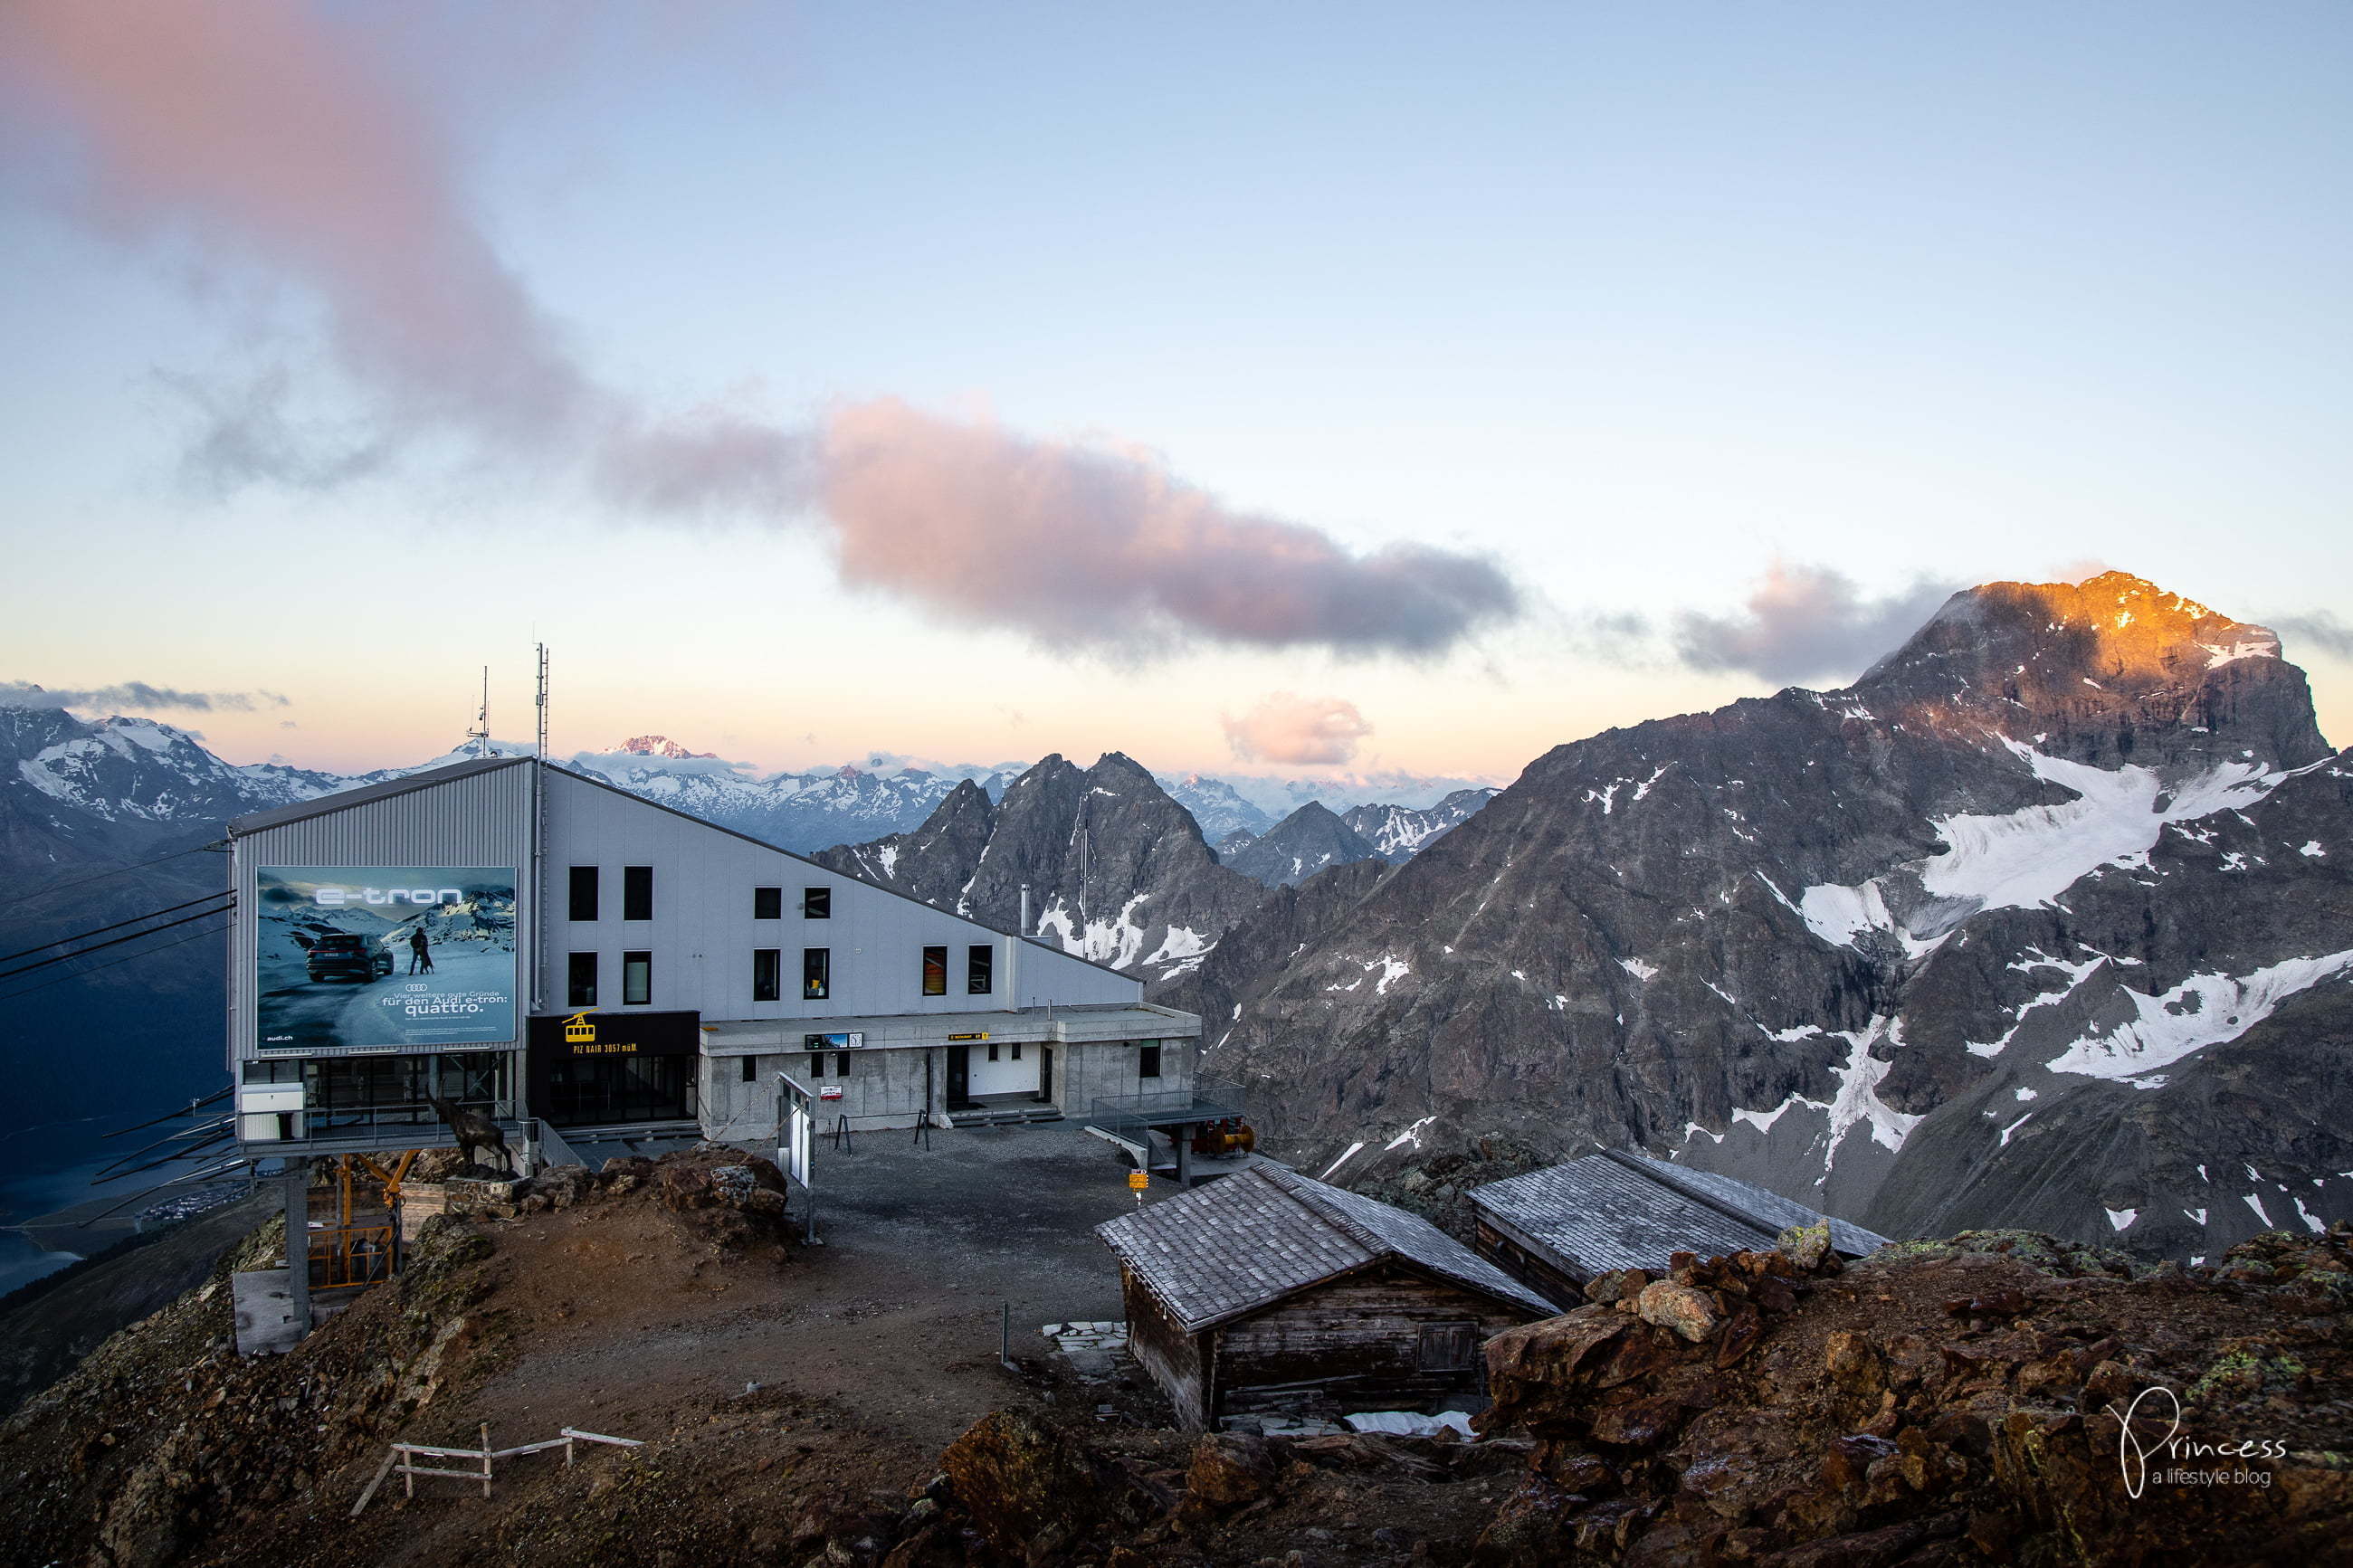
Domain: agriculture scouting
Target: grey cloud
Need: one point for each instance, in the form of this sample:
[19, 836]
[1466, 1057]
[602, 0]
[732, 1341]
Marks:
[1806, 623]
[2321, 629]
[136, 694]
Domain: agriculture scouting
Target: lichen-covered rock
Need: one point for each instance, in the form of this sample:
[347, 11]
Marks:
[1015, 1477]
[1228, 1469]
[1680, 1307]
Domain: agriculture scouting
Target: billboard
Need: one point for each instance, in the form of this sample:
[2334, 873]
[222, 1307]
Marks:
[384, 957]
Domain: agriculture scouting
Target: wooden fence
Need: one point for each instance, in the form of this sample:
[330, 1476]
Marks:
[402, 1460]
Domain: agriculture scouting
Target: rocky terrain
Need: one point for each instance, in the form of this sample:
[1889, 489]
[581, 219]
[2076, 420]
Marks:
[2045, 922]
[1940, 1404]
[1400, 832]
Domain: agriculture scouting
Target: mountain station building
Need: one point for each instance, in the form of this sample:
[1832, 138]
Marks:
[507, 936]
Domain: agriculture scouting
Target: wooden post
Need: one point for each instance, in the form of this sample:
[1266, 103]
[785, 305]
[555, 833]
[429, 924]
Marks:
[486, 1458]
[407, 1472]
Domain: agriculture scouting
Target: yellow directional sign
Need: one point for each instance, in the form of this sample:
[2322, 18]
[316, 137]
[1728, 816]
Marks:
[1137, 1180]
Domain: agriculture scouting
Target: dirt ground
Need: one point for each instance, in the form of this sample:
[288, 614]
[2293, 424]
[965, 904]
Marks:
[895, 1316]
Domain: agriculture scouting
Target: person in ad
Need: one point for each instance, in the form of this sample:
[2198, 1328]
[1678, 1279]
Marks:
[420, 952]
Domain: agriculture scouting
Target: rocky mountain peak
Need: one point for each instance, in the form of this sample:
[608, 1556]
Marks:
[1301, 845]
[2106, 666]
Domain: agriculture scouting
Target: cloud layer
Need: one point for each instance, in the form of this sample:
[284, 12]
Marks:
[259, 130]
[135, 694]
[2321, 629]
[1806, 623]
[1284, 728]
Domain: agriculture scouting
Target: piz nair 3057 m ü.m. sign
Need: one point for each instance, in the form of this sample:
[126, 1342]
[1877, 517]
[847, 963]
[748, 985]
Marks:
[384, 957]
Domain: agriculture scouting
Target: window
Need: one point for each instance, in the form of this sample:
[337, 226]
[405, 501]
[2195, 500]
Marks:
[816, 903]
[767, 974]
[767, 904]
[636, 979]
[1017, 1050]
[842, 1064]
[992, 1052]
[1147, 1059]
[979, 968]
[636, 892]
[817, 1064]
[935, 971]
[817, 973]
[583, 892]
[751, 1070]
[1449, 1347]
[580, 981]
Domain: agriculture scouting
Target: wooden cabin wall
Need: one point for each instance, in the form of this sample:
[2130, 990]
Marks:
[1528, 1261]
[1366, 1328]
[1171, 1355]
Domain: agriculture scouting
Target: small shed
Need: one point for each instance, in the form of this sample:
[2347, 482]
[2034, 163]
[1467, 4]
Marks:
[1266, 1286]
[1557, 1228]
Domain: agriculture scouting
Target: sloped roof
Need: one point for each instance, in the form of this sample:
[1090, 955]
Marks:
[1618, 1209]
[1250, 1240]
[344, 799]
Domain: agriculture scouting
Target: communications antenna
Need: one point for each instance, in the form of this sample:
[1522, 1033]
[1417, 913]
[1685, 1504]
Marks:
[481, 733]
[542, 702]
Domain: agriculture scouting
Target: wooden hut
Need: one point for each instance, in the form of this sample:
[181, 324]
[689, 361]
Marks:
[1556, 1228]
[1266, 1287]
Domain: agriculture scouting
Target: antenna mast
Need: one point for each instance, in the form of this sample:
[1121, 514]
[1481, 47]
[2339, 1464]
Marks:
[481, 733]
[542, 702]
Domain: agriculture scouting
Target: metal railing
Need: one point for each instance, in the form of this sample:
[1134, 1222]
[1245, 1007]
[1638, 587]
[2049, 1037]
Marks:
[1130, 1115]
[392, 1122]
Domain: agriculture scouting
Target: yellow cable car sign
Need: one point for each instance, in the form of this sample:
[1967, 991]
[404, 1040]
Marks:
[1137, 1180]
[578, 1030]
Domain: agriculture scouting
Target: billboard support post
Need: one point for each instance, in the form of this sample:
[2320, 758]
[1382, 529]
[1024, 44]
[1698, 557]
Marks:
[796, 1139]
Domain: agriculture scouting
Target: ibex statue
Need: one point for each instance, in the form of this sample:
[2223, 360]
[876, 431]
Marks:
[474, 1131]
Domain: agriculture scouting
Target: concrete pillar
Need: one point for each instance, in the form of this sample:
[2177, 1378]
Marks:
[298, 1242]
[1184, 1158]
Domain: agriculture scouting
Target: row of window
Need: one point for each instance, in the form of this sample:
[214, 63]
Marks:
[768, 974]
[1147, 1059]
[638, 897]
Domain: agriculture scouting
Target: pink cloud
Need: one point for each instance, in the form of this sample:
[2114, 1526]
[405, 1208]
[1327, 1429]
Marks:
[1284, 728]
[260, 129]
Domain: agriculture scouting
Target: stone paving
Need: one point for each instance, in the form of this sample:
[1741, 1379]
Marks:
[1093, 1348]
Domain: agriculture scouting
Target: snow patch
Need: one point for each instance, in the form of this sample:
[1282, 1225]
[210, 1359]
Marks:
[1346, 1154]
[2121, 1219]
[1645, 973]
[2203, 1010]
[2257, 1204]
[1410, 1135]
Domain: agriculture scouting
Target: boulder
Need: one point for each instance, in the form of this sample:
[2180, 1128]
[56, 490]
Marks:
[1687, 1311]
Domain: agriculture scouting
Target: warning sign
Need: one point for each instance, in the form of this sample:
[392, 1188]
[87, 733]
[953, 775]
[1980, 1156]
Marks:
[1137, 1180]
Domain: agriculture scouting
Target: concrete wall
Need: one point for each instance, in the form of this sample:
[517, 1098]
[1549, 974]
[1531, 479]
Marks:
[882, 1089]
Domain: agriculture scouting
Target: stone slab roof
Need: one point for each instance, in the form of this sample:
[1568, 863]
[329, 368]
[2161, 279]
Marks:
[1247, 1240]
[1618, 1209]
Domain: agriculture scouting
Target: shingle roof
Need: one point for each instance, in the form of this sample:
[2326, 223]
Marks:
[1622, 1210]
[1248, 1239]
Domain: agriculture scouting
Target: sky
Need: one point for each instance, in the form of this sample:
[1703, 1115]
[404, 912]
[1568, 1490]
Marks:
[1363, 386]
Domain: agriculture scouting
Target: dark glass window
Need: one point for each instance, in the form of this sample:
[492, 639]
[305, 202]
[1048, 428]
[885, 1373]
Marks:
[767, 974]
[992, 1051]
[583, 892]
[935, 971]
[979, 968]
[816, 903]
[842, 1064]
[817, 1064]
[580, 981]
[751, 1070]
[636, 979]
[636, 892]
[817, 973]
[767, 904]
[1147, 1059]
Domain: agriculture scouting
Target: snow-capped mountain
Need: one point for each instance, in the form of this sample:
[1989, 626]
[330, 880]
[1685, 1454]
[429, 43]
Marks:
[2043, 922]
[1401, 832]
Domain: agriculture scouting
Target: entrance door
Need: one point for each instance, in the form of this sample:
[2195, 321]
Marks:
[959, 1076]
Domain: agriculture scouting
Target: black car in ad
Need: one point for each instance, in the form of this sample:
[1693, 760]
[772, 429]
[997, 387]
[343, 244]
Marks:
[344, 955]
